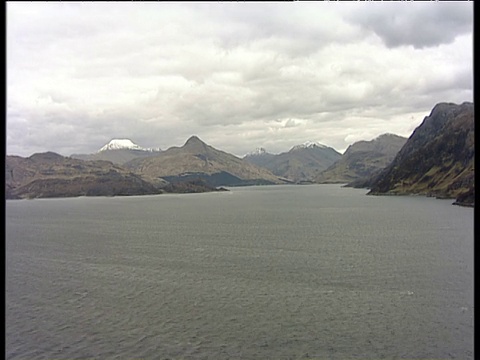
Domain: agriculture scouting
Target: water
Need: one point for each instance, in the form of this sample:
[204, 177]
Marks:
[268, 272]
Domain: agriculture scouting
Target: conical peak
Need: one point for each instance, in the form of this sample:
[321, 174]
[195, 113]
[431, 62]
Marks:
[194, 140]
[117, 144]
[122, 144]
[194, 144]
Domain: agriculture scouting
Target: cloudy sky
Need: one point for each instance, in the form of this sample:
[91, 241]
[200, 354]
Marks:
[238, 75]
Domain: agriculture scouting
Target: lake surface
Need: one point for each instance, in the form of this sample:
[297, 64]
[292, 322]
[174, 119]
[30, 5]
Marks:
[267, 272]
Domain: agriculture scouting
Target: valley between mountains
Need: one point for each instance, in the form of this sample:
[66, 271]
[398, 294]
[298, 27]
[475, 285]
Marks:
[436, 160]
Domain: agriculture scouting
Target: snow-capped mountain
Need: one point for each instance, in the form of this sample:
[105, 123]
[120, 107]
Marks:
[259, 157]
[124, 144]
[258, 151]
[302, 163]
[309, 145]
[119, 151]
[198, 160]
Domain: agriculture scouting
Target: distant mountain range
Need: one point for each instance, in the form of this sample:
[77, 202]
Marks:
[437, 159]
[302, 163]
[362, 159]
[194, 167]
[195, 159]
[119, 151]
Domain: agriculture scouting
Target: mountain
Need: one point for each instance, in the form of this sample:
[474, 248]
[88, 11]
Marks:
[197, 160]
[259, 157]
[118, 144]
[52, 175]
[309, 145]
[49, 174]
[257, 152]
[119, 151]
[302, 163]
[362, 159]
[437, 159]
[194, 167]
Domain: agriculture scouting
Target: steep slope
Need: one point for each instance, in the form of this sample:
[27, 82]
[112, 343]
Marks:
[119, 151]
[195, 159]
[362, 159]
[302, 163]
[437, 159]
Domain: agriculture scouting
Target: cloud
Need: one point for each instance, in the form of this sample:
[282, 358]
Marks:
[420, 24]
[291, 123]
[79, 74]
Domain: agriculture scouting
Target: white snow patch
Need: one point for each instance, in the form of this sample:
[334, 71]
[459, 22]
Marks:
[257, 151]
[118, 144]
[308, 145]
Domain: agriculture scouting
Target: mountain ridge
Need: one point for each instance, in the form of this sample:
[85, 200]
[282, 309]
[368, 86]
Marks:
[47, 175]
[52, 175]
[302, 163]
[196, 157]
[448, 132]
[362, 159]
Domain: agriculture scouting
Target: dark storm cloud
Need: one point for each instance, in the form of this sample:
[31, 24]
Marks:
[420, 24]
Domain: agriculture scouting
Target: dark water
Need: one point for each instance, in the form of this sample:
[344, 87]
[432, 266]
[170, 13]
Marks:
[275, 272]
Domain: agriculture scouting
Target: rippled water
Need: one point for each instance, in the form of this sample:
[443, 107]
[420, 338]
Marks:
[272, 272]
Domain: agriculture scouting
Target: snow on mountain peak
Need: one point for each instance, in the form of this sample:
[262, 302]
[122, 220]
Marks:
[118, 144]
[308, 145]
[257, 151]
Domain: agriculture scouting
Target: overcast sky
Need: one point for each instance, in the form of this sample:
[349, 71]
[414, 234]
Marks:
[238, 75]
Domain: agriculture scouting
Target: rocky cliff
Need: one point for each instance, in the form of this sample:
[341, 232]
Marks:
[437, 159]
